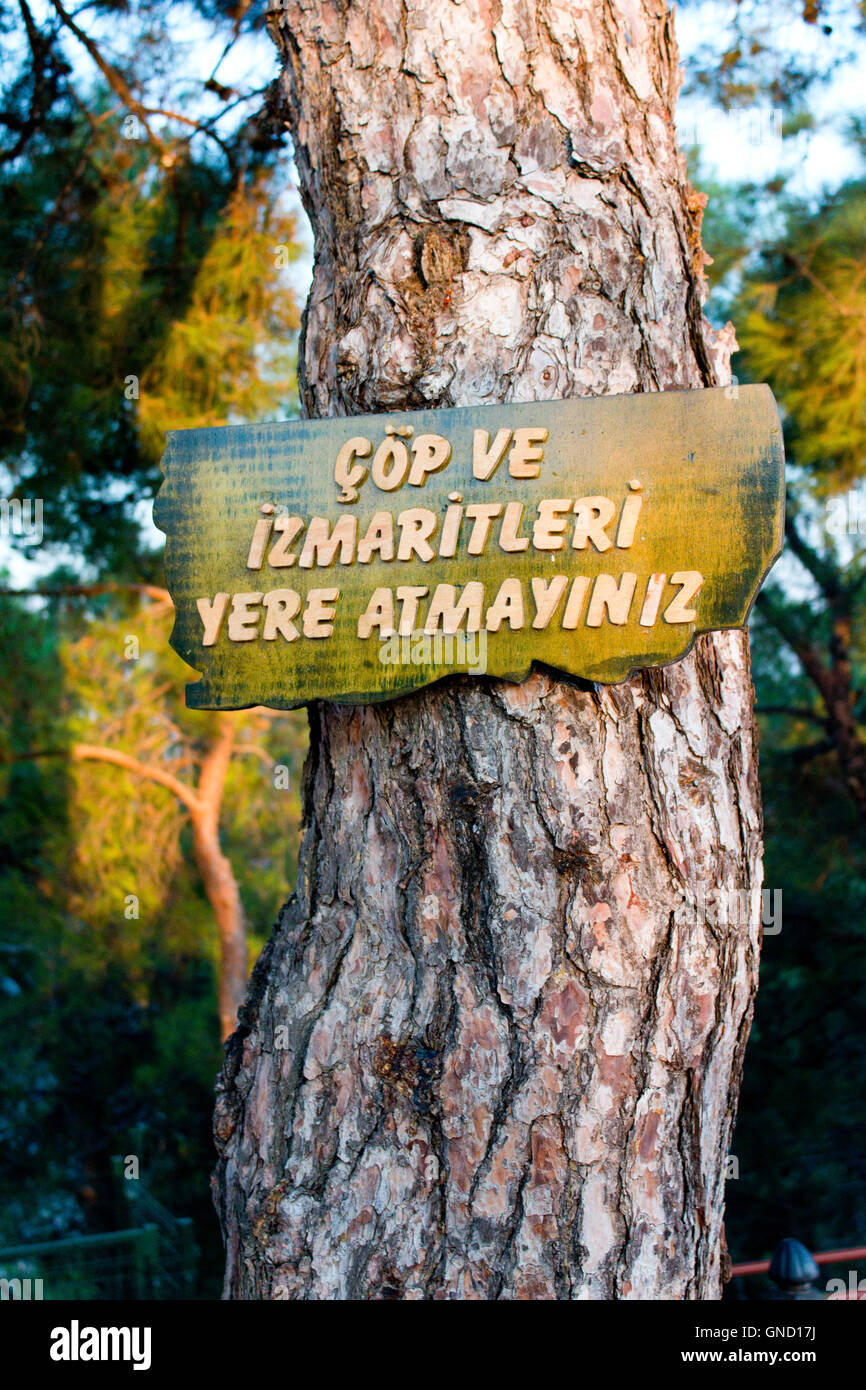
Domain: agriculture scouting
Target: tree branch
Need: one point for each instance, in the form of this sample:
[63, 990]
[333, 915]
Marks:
[119, 85]
[90, 752]
[39, 48]
[159, 595]
[811, 715]
[805, 269]
[116, 81]
[807, 653]
[808, 752]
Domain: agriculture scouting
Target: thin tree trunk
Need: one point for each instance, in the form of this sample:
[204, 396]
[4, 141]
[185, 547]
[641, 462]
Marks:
[492, 1050]
[218, 877]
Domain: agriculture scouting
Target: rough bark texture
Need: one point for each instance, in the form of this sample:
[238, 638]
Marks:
[491, 1050]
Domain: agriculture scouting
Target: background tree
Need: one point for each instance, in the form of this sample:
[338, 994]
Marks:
[129, 687]
[145, 252]
[803, 329]
[492, 1055]
[109, 952]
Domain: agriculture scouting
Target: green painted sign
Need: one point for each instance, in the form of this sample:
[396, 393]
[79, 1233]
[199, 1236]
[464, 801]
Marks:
[358, 559]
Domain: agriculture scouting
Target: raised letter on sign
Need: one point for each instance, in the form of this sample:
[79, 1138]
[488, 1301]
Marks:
[677, 610]
[212, 613]
[486, 458]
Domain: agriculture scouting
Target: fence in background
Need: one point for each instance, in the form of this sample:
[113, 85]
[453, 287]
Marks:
[794, 1271]
[155, 1256]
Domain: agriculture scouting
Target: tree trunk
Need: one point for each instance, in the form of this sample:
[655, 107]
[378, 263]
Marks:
[492, 1050]
[204, 804]
[218, 877]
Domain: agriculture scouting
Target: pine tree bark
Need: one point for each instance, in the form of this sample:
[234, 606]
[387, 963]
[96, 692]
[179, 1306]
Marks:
[491, 1050]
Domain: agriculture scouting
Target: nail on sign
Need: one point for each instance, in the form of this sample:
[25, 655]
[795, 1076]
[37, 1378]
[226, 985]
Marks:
[358, 559]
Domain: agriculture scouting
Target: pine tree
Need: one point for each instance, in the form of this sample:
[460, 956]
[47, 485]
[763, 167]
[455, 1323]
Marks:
[489, 1051]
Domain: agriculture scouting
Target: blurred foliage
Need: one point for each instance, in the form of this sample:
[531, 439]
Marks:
[209, 367]
[756, 52]
[800, 1134]
[803, 328]
[132, 835]
[144, 289]
[152, 301]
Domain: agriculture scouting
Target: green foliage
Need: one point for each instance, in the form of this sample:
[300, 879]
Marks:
[148, 298]
[231, 355]
[132, 836]
[804, 329]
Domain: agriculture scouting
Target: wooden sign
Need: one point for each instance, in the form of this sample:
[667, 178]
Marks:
[358, 559]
